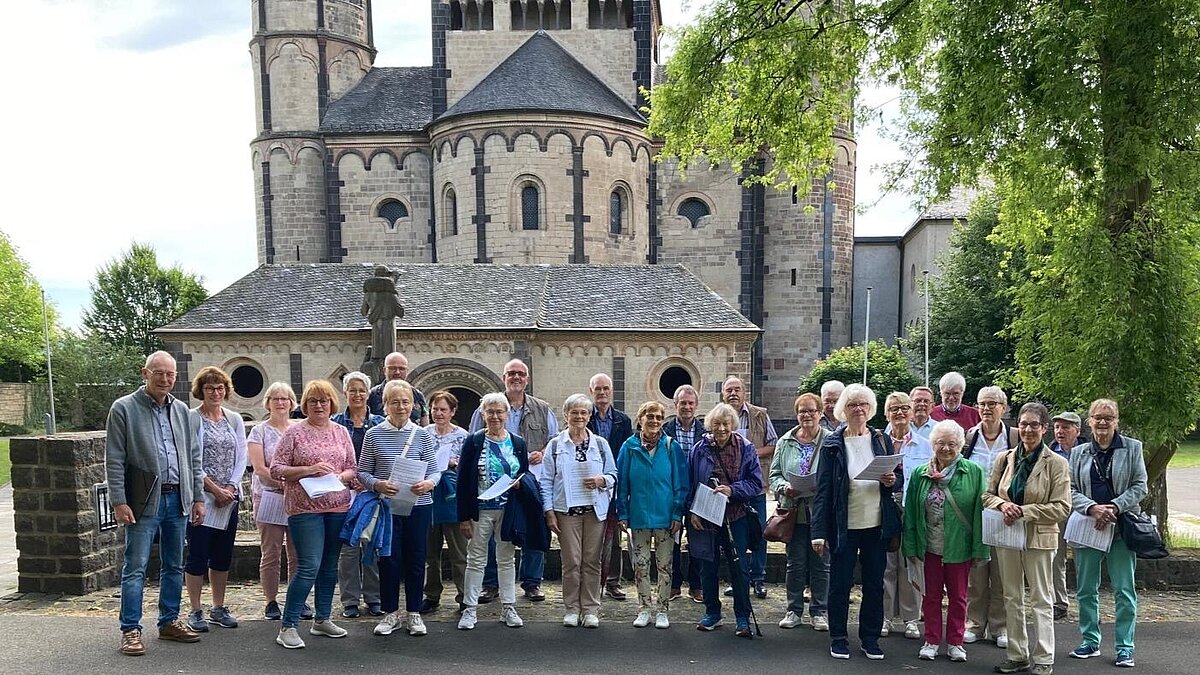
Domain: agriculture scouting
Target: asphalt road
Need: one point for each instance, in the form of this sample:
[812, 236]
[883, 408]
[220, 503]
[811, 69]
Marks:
[1183, 490]
[61, 645]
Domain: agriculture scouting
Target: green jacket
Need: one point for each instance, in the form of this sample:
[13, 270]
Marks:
[787, 457]
[959, 544]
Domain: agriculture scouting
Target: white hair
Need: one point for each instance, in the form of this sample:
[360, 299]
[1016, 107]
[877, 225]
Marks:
[995, 392]
[353, 376]
[832, 386]
[577, 401]
[952, 380]
[597, 377]
[494, 398]
[949, 428]
[839, 410]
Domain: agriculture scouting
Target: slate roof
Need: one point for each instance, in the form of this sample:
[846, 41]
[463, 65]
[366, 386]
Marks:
[386, 100]
[328, 297]
[542, 76]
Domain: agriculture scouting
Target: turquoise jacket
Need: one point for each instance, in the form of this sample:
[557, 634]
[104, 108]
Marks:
[651, 493]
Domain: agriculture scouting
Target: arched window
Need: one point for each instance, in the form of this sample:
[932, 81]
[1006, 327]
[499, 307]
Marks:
[392, 210]
[450, 212]
[693, 209]
[530, 209]
[912, 279]
[618, 211]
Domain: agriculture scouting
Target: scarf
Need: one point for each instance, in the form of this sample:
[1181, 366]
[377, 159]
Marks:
[942, 478]
[1016, 489]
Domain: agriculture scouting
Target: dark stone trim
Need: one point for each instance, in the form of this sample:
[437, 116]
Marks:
[577, 217]
[653, 203]
[481, 218]
[268, 223]
[618, 378]
[322, 80]
[370, 13]
[826, 288]
[264, 79]
[440, 73]
[434, 210]
[333, 210]
[262, 17]
[751, 259]
[296, 372]
[643, 27]
[320, 14]
[183, 378]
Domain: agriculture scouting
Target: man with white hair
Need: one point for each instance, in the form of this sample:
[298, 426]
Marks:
[754, 424]
[395, 367]
[951, 387]
[831, 391]
[615, 427]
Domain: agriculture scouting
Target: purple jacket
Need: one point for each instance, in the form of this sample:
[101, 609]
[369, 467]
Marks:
[747, 486]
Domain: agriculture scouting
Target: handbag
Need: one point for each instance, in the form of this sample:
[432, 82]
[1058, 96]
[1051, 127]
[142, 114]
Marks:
[780, 526]
[1141, 536]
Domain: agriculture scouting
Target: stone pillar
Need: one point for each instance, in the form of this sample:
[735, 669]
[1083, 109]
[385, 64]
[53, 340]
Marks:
[62, 548]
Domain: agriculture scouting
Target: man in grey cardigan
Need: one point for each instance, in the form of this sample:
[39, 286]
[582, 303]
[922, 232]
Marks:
[155, 482]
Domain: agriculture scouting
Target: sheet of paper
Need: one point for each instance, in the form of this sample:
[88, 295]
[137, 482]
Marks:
[916, 575]
[445, 451]
[214, 516]
[710, 504]
[269, 509]
[805, 486]
[502, 485]
[315, 486]
[1082, 530]
[996, 533]
[405, 473]
[879, 467]
[574, 473]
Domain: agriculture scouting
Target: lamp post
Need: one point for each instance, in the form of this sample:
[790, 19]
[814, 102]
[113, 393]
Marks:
[925, 282]
[866, 336]
[50, 424]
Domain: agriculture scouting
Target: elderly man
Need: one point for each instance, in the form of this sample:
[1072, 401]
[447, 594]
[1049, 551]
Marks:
[686, 429]
[615, 427]
[395, 367]
[755, 426]
[155, 482]
[952, 386]
[831, 391]
[1066, 436]
[532, 419]
[922, 405]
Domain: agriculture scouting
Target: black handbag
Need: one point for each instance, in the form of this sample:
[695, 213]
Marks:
[1141, 536]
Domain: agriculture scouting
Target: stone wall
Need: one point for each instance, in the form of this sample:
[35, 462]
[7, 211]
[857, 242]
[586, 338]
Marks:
[16, 402]
[295, 195]
[368, 237]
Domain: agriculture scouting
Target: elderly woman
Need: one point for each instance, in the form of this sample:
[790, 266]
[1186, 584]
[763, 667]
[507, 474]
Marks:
[396, 437]
[984, 443]
[901, 606]
[725, 460]
[314, 448]
[943, 533]
[1031, 484]
[855, 519]
[448, 438]
[798, 452]
[487, 455]
[223, 447]
[356, 580]
[577, 513]
[1108, 478]
[651, 497]
[267, 494]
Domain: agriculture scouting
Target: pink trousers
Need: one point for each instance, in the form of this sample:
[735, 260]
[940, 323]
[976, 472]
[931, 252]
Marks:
[952, 577]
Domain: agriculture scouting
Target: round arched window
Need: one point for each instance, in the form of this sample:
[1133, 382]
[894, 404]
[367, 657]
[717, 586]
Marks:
[693, 209]
[672, 378]
[247, 381]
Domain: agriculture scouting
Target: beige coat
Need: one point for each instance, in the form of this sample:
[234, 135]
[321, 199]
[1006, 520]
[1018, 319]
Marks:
[1047, 495]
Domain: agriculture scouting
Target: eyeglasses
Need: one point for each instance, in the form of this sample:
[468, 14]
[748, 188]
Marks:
[945, 444]
[515, 373]
[168, 374]
[652, 416]
[1108, 419]
[399, 402]
[1030, 425]
[356, 392]
[495, 413]
[899, 409]
[319, 401]
[807, 411]
[859, 405]
[990, 404]
[279, 399]
[214, 388]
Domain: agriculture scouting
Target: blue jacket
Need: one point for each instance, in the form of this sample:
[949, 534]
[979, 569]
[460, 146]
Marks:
[365, 505]
[622, 429]
[829, 507]
[651, 493]
[445, 499]
[747, 486]
[467, 499]
[524, 522]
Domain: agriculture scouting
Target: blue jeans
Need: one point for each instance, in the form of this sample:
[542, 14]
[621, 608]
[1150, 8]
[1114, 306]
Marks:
[529, 571]
[169, 524]
[866, 547]
[317, 548]
[741, 585]
[406, 561]
[693, 572]
[758, 559]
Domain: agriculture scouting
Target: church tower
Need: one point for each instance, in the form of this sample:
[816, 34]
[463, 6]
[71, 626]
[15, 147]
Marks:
[305, 54]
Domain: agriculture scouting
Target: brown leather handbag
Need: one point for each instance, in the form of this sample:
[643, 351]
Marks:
[780, 526]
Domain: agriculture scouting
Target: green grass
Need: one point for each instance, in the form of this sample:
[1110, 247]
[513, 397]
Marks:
[5, 462]
[1180, 540]
[1187, 456]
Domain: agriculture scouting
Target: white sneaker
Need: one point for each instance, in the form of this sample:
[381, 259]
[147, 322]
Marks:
[388, 624]
[571, 620]
[1002, 640]
[289, 638]
[591, 621]
[912, 630]
[661, 621]
[467, 620]
[642, 620]
[821, 623]
[415, 625]
[957, 653]
[327, 628]
[970, 637]
[886, 629]
[790, 620]
[928, 652]
[510, 617]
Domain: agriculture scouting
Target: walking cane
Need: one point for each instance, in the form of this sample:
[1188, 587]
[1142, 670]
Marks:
[733, 559]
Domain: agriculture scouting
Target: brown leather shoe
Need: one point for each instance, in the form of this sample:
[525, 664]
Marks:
[177, 631]
[131, 643]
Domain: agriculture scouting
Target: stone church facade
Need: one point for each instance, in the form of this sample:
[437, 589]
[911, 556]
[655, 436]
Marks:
[523, 144]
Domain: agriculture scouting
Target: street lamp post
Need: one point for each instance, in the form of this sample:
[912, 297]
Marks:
[867, 336]
[925, 281]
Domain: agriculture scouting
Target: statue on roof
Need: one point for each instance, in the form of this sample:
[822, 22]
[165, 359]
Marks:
[381, 305]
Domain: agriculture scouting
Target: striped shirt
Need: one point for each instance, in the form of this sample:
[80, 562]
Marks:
[384, 443]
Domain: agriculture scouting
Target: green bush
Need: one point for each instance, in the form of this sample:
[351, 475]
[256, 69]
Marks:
[12, 429]
[887, 371]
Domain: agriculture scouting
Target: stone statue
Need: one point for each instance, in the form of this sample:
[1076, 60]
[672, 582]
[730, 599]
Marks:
[381, 305]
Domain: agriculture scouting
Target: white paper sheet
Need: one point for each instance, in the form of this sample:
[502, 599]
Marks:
[1082, 530]
[710, 504]
[574, 475]
[502, 485]
[269, 509]
[444, 453]
[316, 486]
[805, 486]
[879, 467]
[916, 575]
[214, 516]
[996, 533]
[405, 473]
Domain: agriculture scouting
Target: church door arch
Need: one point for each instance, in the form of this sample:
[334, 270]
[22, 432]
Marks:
[467, 380]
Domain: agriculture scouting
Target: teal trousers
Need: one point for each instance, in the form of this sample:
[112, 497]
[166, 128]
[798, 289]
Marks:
[1121, 564]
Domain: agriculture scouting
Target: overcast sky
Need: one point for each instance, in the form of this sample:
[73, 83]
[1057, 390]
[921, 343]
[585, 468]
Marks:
[130, 120]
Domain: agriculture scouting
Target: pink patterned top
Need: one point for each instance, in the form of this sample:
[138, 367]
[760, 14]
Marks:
[304, 445]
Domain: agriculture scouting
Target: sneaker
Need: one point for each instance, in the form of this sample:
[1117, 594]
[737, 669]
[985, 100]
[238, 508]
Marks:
[958, 653]
[839, 650]
[760, 590]
[1124, 658]
[661, 621]
[571, 620]
[743, 629]
[1041, 669]
[535, 594]
[388, 624]
[912, 630]
[1010, 666]
[177, 631]
[886, 629]
[591, 621]
[615, 593]
[429, 606]
[196, 622]
[820, 623]
[131, 643]
[374, 609]
[697, 596]
[1085, 651]
[642, 620]
[488, 594]
[789, 620]
[729, 591]
[272, 612]
[676, 593]
[510, 617]
[709, 622]
[222, 617]
[872, 652]
[1002, 640]
[327, 628]
[289, 638]
[970, 637]
[306, 612]
[928, 652]
[350, 612]
[416, 626]
[467, 620]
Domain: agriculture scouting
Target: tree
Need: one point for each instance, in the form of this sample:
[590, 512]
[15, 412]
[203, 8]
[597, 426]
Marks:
[887, 371]
[133, 295]
[22, 346]
[89, 373]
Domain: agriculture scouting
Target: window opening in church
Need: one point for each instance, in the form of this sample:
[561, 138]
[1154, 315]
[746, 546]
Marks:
[616, 212]
[247, 381]
[529, 208]
[486, 19]
[451, 212]
[392, 210]
[673, 378]
[693, 209]
[912, 279]
[471, 15]
[456, 15]
[549, 17]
